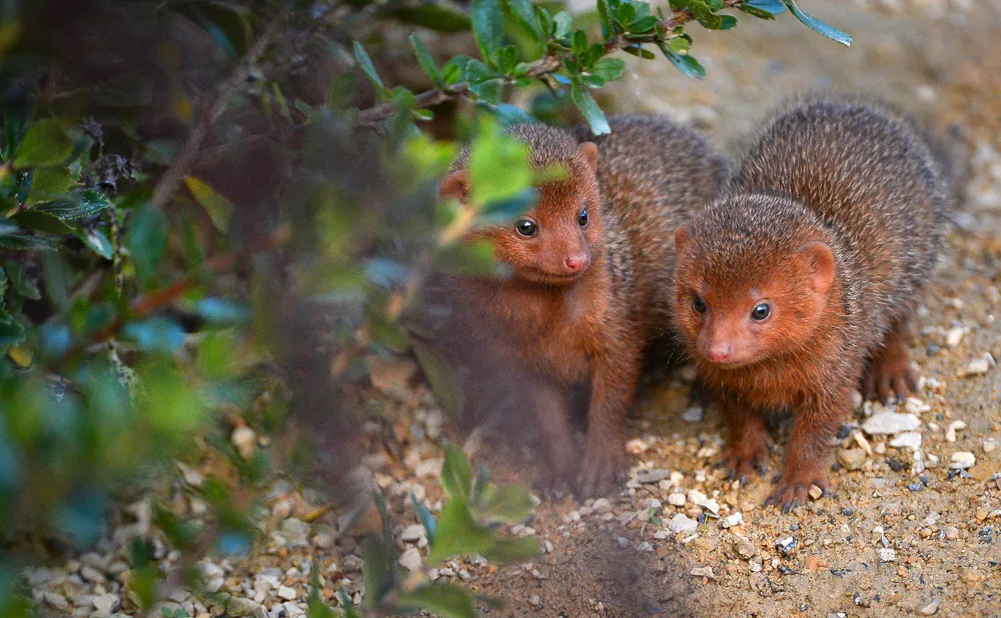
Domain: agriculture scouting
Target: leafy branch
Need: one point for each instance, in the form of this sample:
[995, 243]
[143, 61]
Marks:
[568, 58]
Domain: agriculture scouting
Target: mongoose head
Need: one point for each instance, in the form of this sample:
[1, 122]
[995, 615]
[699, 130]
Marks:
[554, 242]
[753, 278]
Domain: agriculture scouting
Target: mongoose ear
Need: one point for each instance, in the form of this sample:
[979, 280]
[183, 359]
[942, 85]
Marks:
[818, 258]
[681, 239]
[455, 185]
[588, 152]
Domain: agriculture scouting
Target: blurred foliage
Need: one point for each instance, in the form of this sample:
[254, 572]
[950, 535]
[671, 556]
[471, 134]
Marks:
[180, 199]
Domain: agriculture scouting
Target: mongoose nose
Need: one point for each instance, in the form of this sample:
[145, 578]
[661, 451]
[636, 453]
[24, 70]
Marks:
[576, 263]
[719, 352]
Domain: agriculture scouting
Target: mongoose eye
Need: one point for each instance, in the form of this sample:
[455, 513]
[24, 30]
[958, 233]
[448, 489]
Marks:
[526, 227]
[698, 304]
[582, 217]
[761, 312]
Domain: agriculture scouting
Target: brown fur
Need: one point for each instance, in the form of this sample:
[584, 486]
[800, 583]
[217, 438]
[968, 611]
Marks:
[553, 329]
[834, 221]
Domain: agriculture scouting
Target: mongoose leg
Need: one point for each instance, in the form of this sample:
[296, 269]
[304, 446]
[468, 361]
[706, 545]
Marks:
[815, 422]
[612, 386]
[551, 404]
[890, 374]
[747, 443]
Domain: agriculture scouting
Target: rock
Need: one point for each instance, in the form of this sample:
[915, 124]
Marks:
[859, 438]
[693, 414]
[954, 337]
[240, 607]
[732, 520]
[916, 406]
[391, 375]
[91, 574]
[324, 539]
[676, 499]
[106, 602]
[245, 441]
[931, 609]
[907, 439]
[815, 492]
[652, 476]
[412, 533]
[56, 600]
[644, 546]
[700, 499]
[972, 575]
[814, 563]
[954, 426]
[681, 523]
[411, 559]
[706, 572]
[786, 545]
[887, 555]
[852, 458]
[744, 548]
[952, 533]
[295, 532]
[975, 368]
[622, 542]
[602, 506]
[857, 400]
[289, 594]
[535, 600]
[962, 460]
[991, 446]
[636, 446]
[888, 422]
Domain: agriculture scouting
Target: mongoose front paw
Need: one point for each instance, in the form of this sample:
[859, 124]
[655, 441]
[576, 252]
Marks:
[890, 376]
[742, 461]
[793, 490]
[598, 475]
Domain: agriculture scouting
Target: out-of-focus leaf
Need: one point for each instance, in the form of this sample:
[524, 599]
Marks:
[510, 504]
[498, 166]
[48, 182]
[41, 221]
[147, 240]
[524, 12]
[426, 518]
[589, 108]
[18, 242]
[727, 22]
[58, 276]
[816, 25]
[365, 62]
[424, 58]
[20, 281]
[446, 600]
[97, 242]
[562, 23]
[458, 534]
[11, 332]
[456, 473]
[504, 211]
[46, 143]
[512, 551]
[124, 91]
[510, 114]
[610, 69]
[156, 334]
[488, 25]
[432, 15]
[440, 374]
[222, 311]
[488, 91]
[219, 208]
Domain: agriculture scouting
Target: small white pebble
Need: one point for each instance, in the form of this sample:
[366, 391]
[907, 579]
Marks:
[963, 460]
[678, 499]
[955, 336]
[887, 555]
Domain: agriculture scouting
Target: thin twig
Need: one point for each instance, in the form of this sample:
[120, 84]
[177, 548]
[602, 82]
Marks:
[172, 178]
[546, 65]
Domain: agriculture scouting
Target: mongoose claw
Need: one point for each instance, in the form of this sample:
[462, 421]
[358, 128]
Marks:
[597, 476]
[790, 493]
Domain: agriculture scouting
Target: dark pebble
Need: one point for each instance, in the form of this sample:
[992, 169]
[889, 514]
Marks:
[915, 486]
[849, 511]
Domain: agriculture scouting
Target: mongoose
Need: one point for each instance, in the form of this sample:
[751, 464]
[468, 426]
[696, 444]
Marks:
[591, 270]
[806, 275]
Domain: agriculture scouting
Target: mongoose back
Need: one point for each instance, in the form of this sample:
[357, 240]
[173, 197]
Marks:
[805, 276]
[591, 270]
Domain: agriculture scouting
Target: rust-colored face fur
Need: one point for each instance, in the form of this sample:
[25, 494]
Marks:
[555, 242]
[743, 307]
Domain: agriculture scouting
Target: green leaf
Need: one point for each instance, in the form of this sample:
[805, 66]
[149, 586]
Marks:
[379, 568]
[11, 332]
[579, 43]
[48, 182]
[587, 106]
[83, 204]
[18, 242]
[816, 25]
[512, 551]
[605, 16]
[592, 81]
[22, 283]
[509, 505]
[562, 24]
[365, 62]
[687, 64]
[446, 600]
[765, 9]
[46, 143]
[147, 240]
[426, 518]
[219, 209]
[458, 534]
[41, 222]
[424, 58]
[639, 52]
[498, 166]
[488, 91]
[434, 16]
[642, 25]
[451, 73]
[456, 473]
[524, 12]
[626, 13]
[728, 22]
[609, 69]
[488, 25]
[97, 242]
